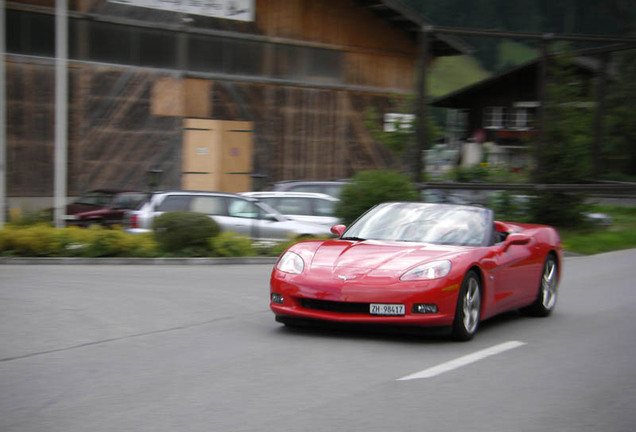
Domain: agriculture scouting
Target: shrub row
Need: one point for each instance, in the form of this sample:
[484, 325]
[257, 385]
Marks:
[43, 240]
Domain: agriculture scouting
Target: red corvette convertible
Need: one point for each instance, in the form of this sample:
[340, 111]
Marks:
[418, 264]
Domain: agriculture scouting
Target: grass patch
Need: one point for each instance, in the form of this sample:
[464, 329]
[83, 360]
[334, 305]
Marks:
[452, 73]
[592, 240]
[513, 53]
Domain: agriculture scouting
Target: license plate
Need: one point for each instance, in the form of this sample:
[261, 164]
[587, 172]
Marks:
[387, 309]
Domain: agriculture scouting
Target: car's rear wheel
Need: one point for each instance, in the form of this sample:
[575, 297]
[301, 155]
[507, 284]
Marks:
[547, 295]
[468, 309]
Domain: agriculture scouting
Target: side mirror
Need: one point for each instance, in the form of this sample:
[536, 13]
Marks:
[338, 229]
[516, 239]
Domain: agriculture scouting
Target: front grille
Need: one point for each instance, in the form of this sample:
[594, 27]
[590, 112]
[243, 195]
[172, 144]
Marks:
[334, 306]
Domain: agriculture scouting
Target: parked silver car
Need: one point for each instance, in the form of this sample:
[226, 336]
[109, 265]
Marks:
[241, 214]
[300, 206]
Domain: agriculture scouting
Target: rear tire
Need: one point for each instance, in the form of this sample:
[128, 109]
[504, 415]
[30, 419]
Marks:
[547, 295]
[468, 310]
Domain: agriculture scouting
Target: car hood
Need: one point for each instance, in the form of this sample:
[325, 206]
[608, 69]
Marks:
[376, 257]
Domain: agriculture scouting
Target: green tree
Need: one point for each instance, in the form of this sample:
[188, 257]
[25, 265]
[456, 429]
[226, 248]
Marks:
[368, 188]
[620, 127]
[564, 156]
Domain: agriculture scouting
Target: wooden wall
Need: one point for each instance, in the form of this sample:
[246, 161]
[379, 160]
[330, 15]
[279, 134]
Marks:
[30, 127]
[124, 121]
[115, 137]
[376, 53]
[337, 22]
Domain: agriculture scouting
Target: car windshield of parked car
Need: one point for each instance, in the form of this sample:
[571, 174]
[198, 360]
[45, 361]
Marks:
[418, 222]
[128, 200]
[95, 198]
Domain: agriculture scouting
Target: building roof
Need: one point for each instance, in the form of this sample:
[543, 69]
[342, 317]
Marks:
[456, 99]
[412, 22]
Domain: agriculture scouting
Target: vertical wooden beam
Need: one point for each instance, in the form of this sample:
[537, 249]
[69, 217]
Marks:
[597, 162]
[543, 100]
[421, 110]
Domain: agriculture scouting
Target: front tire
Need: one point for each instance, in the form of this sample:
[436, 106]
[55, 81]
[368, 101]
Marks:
[547, 295]
[468, 310]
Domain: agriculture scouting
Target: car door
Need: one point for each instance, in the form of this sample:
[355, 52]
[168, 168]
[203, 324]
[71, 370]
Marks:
[218, 208]
[273, 226]
[515, 275]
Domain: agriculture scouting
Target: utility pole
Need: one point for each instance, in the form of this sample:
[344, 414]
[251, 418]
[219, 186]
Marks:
[61, 110]
[3, 117]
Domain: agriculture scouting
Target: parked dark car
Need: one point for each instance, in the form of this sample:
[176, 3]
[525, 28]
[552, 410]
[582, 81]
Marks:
[104, 207]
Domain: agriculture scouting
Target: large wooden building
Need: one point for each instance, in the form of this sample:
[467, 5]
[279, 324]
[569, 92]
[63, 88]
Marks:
[214, 95]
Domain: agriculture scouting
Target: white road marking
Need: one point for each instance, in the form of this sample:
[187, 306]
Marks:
[463, 361]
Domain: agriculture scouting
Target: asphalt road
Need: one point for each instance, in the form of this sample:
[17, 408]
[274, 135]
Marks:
[195, 348]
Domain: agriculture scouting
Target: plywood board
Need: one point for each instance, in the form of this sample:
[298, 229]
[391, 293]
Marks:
[167, 97]
[237, 144]
[200, 157]
[198, 102]
[217, 155]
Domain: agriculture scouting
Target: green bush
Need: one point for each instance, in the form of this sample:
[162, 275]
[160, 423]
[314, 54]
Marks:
[469, 174]
[181, 231]
[34, 218]
[369, 188]
[229, 244]
[560, 209]
[510, 207]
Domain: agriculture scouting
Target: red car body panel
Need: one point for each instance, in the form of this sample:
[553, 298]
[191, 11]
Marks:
[349, 272]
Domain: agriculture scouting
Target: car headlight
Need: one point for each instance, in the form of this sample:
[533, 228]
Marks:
[290, 262]
[428, 271]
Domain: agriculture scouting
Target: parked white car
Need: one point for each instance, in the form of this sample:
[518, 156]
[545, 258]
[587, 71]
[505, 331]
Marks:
[241, 214]
[308, 207]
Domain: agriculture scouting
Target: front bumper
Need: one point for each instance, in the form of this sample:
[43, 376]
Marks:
[349, 301]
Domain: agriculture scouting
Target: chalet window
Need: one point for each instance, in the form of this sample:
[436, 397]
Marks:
[110, 43]
[287, 62]
[316, 64]
[30, 33]
[243, 57]
[322, 64]
[205, 54]
[494, 118]
[156, 48]
[519, 118]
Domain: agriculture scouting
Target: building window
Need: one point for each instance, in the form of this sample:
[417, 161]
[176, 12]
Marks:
[519, 119]
[494, 118]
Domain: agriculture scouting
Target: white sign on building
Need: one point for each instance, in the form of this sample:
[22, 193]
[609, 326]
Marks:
[393, 121]
[240, 10]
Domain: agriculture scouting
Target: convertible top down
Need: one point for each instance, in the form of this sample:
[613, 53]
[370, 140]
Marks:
[419, 264]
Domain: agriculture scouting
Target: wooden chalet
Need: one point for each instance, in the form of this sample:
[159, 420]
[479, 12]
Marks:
[501, 112]
[210, 101]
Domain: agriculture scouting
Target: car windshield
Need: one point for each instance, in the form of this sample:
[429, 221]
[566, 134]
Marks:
[95, 198]
[129, 200]
[420, 222]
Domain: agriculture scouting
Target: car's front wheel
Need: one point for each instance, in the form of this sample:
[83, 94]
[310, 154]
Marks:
[468, 309]
[547, 295]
